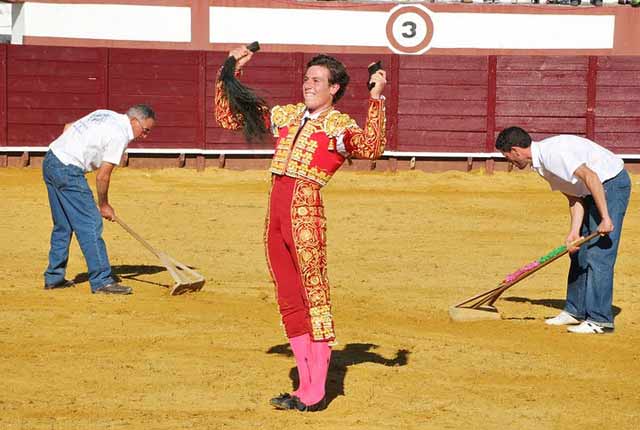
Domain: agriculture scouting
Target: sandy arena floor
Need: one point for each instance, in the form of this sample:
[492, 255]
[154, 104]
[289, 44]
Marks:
[402, 248]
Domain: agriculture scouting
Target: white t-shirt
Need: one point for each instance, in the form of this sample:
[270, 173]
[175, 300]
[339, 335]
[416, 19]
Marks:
[557, 158]
[101, 136]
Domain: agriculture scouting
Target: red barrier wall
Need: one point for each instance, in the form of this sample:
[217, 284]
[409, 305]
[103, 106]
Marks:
[171, 82]
[545, 95]
[48, 87]
[3, 95]
[617, 106]
[442, 104]
[434, 103]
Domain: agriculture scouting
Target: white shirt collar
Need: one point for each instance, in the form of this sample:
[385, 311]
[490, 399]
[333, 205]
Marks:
[315, 115]
[535, 156]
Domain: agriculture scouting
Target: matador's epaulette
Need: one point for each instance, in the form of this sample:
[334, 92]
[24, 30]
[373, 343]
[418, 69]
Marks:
[285, 115]
[336, 123]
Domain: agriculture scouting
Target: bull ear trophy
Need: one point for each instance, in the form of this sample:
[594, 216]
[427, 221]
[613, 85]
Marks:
[244, 101]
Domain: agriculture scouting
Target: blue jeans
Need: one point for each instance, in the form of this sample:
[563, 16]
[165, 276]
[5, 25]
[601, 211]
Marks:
[74, 211]
[590, 281]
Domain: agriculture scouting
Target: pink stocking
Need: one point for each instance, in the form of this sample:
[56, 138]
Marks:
[301, 347]
[320, 357]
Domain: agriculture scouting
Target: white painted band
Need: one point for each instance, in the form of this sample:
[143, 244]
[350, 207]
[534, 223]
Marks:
[451, 30]
[108, 21]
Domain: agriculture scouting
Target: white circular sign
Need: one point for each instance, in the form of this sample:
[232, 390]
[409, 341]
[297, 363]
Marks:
[409, 29]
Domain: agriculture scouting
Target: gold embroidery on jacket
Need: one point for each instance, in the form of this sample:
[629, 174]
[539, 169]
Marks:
[370, 143]
[294, 158]
[335, 123]
[285, 115]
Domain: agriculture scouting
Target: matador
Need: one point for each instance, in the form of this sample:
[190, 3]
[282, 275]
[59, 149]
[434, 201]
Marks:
[313, 140]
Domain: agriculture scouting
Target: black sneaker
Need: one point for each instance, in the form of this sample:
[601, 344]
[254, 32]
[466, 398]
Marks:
[114, 288]
[62, 284]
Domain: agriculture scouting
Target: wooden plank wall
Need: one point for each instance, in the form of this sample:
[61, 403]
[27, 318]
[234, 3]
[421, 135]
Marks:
[3, 95]
[617, 114]
[170, 82]
[434, 103]
[543, 95]
[48, 87]
[442, 104]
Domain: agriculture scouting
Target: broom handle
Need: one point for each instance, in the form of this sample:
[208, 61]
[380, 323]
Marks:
[137, 237]
[489, 297]
[506, 285]
[578, 242]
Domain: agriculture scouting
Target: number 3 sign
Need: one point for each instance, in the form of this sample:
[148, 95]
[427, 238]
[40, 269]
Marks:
[409, 29]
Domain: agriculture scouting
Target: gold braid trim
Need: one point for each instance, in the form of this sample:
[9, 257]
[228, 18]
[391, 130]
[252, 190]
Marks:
[335, 123]
[309, 235]
[370, 142]
[285, 115]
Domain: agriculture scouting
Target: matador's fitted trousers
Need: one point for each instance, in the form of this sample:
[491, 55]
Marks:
[295, 242]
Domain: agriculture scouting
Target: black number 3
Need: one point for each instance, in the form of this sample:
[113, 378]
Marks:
[412, 32]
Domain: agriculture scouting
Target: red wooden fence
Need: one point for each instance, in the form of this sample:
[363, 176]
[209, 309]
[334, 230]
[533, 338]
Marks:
[434, 103]
[442, 104]
[544, 95]
[3, 95]
[617, 107]
[171, 82]
[48, 87]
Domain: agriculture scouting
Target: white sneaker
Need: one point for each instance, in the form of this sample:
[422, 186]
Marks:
[589, 327]
[563, 318]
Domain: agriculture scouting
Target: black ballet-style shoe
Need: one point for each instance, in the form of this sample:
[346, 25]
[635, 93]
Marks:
[294, 403]
[279, 402]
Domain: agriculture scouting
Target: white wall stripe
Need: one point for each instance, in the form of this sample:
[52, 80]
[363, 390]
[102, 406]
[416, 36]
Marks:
[297, 26]
[5, 18]
[108, 21]
[451, 30]
[519, 31]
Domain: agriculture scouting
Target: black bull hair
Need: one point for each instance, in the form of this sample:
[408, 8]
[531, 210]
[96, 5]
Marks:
[245, 102]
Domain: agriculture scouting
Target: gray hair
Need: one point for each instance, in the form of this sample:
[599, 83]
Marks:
[141, 112]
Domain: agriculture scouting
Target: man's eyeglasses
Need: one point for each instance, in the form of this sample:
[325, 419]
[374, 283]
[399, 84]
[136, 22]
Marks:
[145, 130]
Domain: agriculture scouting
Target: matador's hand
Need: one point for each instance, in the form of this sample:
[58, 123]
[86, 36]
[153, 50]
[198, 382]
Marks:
[379, 79]
[242, 56]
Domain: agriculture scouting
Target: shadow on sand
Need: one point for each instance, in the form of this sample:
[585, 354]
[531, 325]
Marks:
[351, 355]
[550, 303]
[127, 271]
